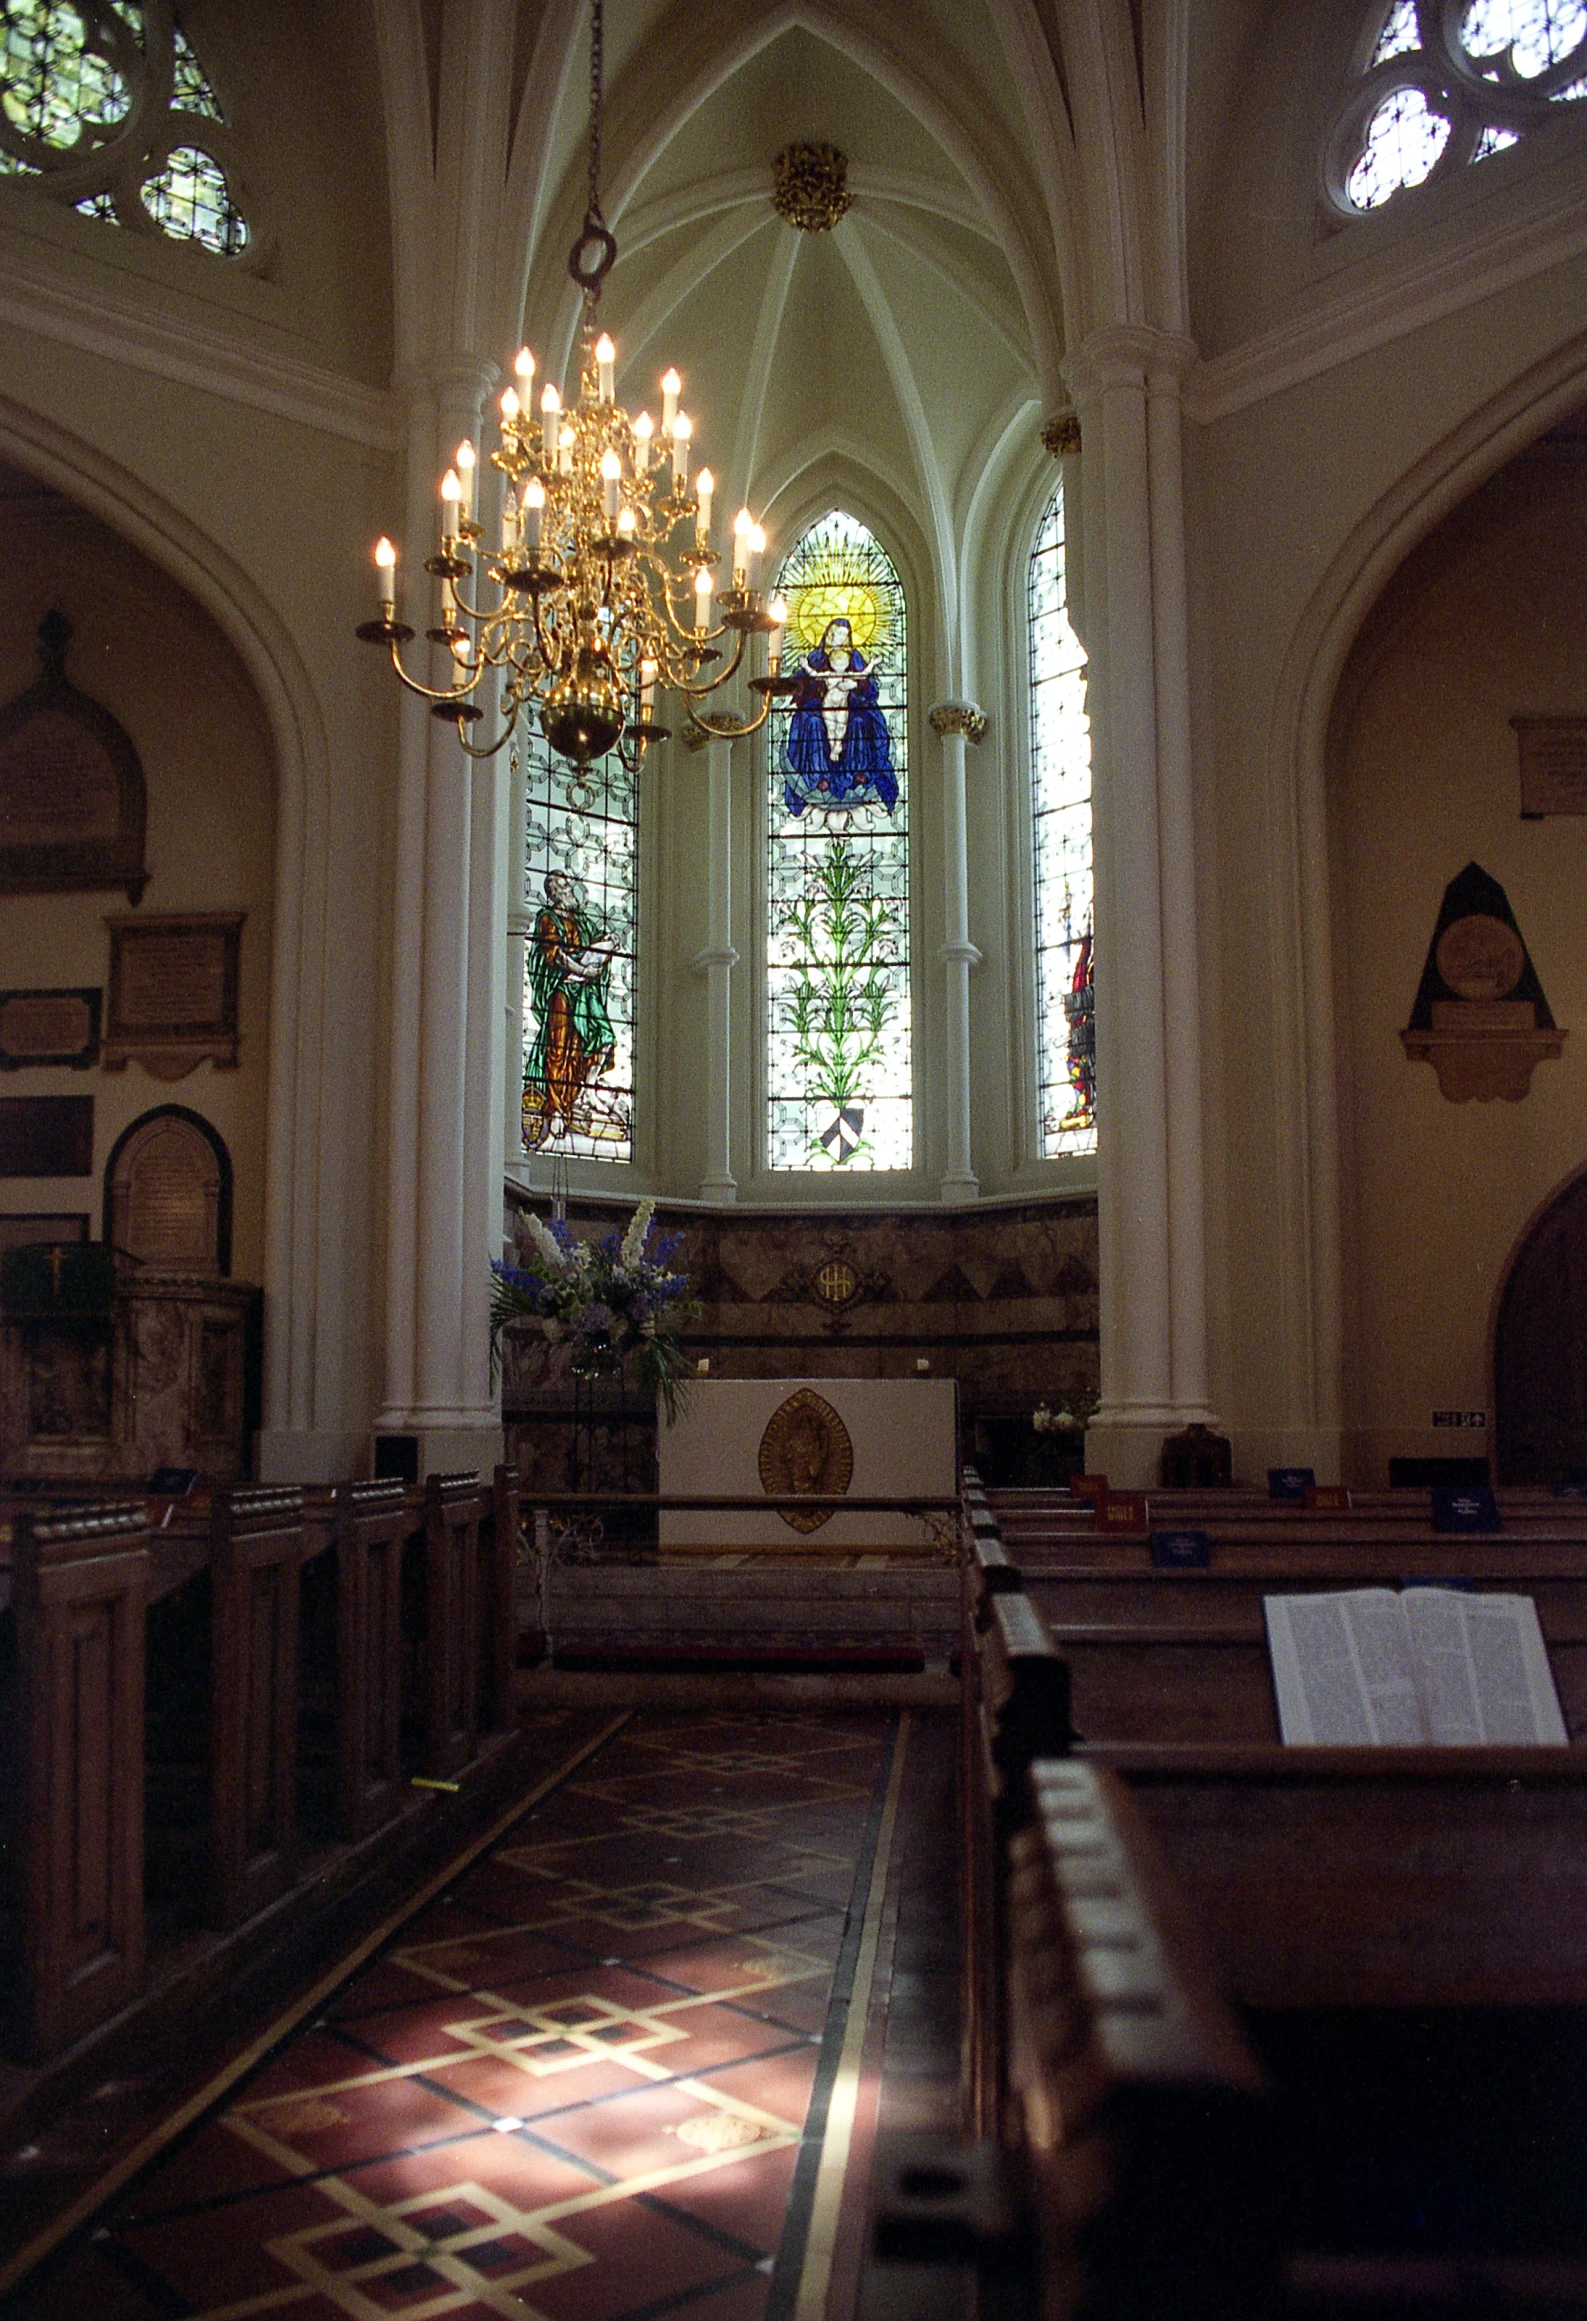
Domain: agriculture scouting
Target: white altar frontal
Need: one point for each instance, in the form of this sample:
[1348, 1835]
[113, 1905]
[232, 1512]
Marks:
[855, 1438]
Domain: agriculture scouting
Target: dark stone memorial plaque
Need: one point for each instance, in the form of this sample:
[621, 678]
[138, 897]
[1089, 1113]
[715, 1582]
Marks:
[49, 1027]
[1553, 765]
[72, 797]
[46, 1136]
[173, 991]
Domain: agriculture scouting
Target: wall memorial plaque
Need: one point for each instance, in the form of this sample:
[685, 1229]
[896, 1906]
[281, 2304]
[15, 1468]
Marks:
[46, 1136]
[168, 1193]
[1480, 1018]
[38, 1229]
[49, 1027]
[173, 991]
[72, 797]
[1553, 754]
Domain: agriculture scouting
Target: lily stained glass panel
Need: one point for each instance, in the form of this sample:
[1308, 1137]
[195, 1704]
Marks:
[580, 895]
[838, 1079]
[1060, 751]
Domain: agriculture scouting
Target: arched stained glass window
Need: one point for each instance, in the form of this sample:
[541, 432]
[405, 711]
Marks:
[1445, 87]
[105, 106]
[1060, 756]
[580, 894]
[838, 1079]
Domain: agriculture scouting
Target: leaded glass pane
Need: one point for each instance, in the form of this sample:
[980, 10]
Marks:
[1060, 751]
[838, 1079]
[1533, 33]
[1400, 33]
[60, 86]
[190, 89]
[580, 890]
[1403, 140]
[192, 202]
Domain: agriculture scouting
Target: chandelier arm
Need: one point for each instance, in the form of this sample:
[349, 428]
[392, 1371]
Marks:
[699, 692]
[736, 731]
[490, 748]
[429, 692]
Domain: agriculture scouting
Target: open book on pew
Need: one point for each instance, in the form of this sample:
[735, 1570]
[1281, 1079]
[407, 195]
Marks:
[1369, 1667]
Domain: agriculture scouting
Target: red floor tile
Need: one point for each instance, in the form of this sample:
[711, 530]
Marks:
[639, 2257]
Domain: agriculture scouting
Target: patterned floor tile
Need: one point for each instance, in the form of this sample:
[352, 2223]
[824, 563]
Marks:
[632, 1987]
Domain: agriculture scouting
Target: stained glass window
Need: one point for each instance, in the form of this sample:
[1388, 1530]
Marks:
[1450, 85]
[78, 76]
[1060, 753]
[189, 201]
[838, 1080]
[580, 892]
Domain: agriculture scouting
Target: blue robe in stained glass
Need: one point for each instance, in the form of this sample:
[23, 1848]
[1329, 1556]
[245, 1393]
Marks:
[839, 753]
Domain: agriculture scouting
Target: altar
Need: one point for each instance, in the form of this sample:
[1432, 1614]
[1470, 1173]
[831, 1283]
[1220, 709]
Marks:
[859, 1438]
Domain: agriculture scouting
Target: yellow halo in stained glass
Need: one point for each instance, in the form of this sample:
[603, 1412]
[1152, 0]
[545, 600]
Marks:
[812, 610]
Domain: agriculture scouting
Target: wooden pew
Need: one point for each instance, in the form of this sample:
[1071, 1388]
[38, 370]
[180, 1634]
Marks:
[1405, 1932]
[451, 1646]
[373, 1520]
[498, 1571]
[256, 1551]
[1129, 2093]
[80, 1588]
[1182, 1656]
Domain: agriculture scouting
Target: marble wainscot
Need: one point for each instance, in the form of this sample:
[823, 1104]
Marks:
[855, 1437]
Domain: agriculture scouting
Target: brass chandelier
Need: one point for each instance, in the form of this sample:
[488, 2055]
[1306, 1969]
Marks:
[590, 608]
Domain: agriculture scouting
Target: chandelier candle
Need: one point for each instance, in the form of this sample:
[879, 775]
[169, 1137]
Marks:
[584, 612]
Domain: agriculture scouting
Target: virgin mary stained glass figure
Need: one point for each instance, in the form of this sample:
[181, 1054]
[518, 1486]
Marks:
[839, 752]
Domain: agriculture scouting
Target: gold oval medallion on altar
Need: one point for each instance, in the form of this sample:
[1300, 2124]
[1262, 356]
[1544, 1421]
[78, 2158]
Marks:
[805, 1450]
[1479, 957]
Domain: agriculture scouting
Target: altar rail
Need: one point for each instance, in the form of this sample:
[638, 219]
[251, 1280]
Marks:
[193, 1697]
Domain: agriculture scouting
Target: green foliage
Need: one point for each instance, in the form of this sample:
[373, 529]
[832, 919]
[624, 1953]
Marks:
[841, 994]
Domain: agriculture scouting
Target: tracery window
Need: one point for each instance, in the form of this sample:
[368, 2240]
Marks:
[1060, 756]
[838, 1080]
[105, 106]
[580, 892]
[1448, 86]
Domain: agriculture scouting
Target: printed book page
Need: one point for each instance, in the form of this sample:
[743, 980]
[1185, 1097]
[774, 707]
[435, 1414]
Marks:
[1368, 1667]
[1483, 1670]
[1342, 1670]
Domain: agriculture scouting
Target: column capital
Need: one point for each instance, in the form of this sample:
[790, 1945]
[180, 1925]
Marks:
[1128, 354]
[965, 717]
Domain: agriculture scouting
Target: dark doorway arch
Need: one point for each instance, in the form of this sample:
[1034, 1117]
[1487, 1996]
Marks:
[1540, 1347]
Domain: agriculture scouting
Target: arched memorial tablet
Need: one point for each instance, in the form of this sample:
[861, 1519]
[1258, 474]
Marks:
[168, 1193]
[72, 797]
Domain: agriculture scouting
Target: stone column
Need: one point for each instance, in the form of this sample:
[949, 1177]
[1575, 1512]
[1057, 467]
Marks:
[716, 963]
[445, 1142]
[955, 723]
[1149, 1163]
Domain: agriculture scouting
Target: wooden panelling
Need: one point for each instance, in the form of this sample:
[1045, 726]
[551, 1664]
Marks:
[256, 1548]
[451, 1549]
[372, 1521]
[81, 1586]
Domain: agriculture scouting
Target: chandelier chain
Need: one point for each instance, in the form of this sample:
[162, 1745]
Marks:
[597, 63]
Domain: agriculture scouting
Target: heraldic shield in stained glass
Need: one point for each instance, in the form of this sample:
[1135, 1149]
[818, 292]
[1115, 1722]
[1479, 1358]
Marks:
[580, 865]
[838, 1048]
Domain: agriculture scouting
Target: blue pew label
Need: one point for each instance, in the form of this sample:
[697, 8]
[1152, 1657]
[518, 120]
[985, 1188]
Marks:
[1290, 1482]
[1181, 1551]
[1473, 1510]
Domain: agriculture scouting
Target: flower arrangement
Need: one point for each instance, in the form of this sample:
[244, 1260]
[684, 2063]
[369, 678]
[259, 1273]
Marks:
[606, 1300]
[1070, 1421]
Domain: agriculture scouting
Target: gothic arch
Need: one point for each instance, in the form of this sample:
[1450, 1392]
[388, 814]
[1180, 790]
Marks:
[1308, 1171]
[294, 1260]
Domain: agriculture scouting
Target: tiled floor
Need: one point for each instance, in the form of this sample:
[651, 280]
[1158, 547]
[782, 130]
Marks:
[574, 2087]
